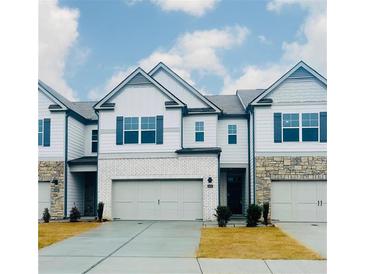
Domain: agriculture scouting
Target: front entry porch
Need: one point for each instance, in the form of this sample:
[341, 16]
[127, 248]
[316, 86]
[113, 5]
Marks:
[82, 186]
[234, 190]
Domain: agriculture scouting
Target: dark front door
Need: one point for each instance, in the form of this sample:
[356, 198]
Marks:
[90, 194]
[234, 193]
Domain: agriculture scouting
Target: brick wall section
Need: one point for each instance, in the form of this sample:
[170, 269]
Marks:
[172, 167]
[286, 168]
[47, 170]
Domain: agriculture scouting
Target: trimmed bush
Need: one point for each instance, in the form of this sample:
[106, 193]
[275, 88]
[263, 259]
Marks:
[265, 212]
[74, 214]
[253, 215]
[100, 211]
[46, 216]
[223, 215]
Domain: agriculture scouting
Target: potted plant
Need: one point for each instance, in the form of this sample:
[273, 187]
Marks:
[100, 211]
[265, 212]
[74, 214]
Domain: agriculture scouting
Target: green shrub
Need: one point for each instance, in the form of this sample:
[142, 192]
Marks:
[100, 211]
[223, 215]
[74, 214]
[265, 212]
[46, 216]
[253, 215]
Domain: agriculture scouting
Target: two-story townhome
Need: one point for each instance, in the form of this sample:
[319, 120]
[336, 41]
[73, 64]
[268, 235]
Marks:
[288, 145]
[67, 131]
[156, 148]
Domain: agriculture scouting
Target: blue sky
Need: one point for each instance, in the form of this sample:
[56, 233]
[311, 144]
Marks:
[87, 47]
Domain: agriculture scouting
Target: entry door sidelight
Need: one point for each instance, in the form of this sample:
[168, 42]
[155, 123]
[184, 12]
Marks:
[234, 193]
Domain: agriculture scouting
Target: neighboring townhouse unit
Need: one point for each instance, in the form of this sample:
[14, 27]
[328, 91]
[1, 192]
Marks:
[156, 148]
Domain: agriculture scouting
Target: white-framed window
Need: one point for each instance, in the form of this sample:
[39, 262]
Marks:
[232, 134]
[131, 130]
[40, 132]
[291, 127]
[94, 140]
[310, 127]
[199, 131]
[148, 130]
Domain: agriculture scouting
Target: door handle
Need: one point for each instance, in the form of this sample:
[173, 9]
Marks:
[158, 201]
[321, 202]
[318, 203]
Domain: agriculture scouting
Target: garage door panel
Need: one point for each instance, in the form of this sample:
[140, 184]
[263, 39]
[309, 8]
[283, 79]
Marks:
[44, 197]
[158, 200]
[281, 211]
[298, 201]
[281, 192]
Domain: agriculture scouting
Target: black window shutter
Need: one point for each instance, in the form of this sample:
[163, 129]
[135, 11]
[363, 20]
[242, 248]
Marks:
[159, 129]
[323, 127]
[119, 130]
[277, 127]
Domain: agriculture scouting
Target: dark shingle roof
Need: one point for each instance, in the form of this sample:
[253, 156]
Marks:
[248, 95]
[84, 160]
[230, 104]
[85, 109]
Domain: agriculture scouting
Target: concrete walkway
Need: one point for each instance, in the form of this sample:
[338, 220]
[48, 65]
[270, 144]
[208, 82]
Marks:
[152, 247]
[312, 235]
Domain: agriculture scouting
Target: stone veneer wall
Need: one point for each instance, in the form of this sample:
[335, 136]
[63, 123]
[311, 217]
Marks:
[47, 170]
[285, 168]
[167, 167]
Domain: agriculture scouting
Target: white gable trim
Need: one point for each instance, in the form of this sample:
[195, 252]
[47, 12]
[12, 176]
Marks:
[129, 78]
[287, 75]
[44, 90]
[184, 84]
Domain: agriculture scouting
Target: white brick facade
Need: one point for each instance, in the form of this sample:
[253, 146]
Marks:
[199, 167]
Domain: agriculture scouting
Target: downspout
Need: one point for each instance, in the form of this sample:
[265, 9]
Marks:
[97, 167]
[66, 159]
[249, 159]
[182, 129]
[253, 156]
[219, 179]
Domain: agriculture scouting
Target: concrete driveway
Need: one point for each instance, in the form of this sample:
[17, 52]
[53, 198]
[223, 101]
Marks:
[152, 247]
[312, 235]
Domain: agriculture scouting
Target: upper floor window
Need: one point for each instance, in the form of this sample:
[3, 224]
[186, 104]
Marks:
[131, 127]
[199, 131]
[291, 127]
[310, 127]
[148, 130]
[94, 140]
[40, 132]
[232, 134]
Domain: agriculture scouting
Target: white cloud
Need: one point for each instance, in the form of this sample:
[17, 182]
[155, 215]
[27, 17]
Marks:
[192, 7]
[264, 40]
[57, 35]
[313, 50]
[196, 51]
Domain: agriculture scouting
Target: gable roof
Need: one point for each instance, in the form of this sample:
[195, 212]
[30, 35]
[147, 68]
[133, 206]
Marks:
[246, 96]
[83, 108]
[300, 70]
[185, 84]
[139, 76]
[229, 104]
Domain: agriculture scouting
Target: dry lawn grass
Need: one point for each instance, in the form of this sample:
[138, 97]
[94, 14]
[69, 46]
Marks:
[251, 243]
[54, 232]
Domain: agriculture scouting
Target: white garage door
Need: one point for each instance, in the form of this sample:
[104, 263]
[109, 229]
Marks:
[299, 201]
[44, 197]
[157, 200]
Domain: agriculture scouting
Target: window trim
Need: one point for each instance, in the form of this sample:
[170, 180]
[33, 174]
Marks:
[125, 130]
[312, 127]
[94, 141]
[149, 130]
[40, 122]
[232, 134]
[200, 130]
[290, 127]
